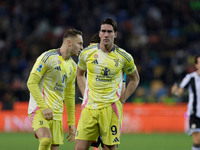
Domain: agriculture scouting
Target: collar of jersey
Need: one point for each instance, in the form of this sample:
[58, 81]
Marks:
[99, 47]
[58, 50]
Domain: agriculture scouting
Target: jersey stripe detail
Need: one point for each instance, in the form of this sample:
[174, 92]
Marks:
[192, 83]
[48, 54]
[92, 46]
[88, 48]
[114, 107]
[123, 54]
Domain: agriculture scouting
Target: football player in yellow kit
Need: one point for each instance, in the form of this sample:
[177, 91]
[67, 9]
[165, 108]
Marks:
[52, 81]
[102, 104]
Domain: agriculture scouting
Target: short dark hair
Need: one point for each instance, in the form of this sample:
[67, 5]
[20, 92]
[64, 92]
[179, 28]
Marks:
[95, 38]
[72, 33]
[110, 22]
[196, 59]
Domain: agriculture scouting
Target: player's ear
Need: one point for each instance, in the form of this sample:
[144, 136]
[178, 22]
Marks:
[68, 41]
[115, 34]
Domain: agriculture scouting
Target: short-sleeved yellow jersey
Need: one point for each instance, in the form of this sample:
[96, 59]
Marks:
[57, 83]
[104, 74]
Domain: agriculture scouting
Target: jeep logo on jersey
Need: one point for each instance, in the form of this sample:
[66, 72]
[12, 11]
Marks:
[105, 72]
[104, 77]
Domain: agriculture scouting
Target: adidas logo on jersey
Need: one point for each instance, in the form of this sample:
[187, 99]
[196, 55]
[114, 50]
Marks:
[116, 140]
[58, 68]
[95, 62]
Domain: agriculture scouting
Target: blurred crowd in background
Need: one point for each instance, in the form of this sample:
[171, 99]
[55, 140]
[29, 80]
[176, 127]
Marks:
[161, 35]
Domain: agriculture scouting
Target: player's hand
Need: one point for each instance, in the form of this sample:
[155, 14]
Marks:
[71, 134]
[48, 114]
[174, 88]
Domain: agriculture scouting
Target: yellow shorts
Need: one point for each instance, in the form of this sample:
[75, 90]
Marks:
[106, 122]
[56, 126]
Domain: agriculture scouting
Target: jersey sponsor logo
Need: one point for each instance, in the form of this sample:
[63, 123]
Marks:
[104, 77]
[40, 68]
[58, 68]
[105, 71]
[115, 140]
[59, 87]
[95, 62]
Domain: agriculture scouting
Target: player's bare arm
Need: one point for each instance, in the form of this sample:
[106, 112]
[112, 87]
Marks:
[132, 85]
[81, 80]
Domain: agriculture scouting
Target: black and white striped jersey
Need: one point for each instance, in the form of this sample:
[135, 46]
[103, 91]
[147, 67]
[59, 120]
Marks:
[192, 82]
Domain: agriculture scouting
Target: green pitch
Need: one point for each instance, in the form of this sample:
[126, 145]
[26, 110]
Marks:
[167, 141]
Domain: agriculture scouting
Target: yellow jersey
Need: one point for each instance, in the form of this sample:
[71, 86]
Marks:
[57, 83]
[104, 74]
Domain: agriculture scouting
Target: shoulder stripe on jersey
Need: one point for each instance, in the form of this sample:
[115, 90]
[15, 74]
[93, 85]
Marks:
[92, 46]
[48, 54]
[123, 54]
[192, 83]
[89, 47]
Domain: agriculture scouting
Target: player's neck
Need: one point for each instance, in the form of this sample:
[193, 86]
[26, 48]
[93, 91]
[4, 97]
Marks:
[65, 53]
[106, 48]
[198, 72]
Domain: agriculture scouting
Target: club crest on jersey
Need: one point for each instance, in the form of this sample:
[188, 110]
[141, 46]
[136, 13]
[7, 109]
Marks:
[41, 122]
[58, 68]
[70, 71]
[116, 62]
[40, 68]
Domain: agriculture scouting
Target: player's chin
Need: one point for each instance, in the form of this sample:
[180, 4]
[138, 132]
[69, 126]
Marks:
[75, 54]
[106, 43]
[78, 52]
